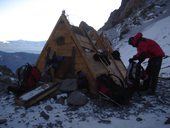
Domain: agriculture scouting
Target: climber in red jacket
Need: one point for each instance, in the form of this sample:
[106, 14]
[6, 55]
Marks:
[147, 48]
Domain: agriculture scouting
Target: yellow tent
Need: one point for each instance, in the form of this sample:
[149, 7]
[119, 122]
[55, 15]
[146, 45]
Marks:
[78, 46]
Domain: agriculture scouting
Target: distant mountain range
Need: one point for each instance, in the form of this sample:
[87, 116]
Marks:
[15, 60]
[13, 54]
[22, 46]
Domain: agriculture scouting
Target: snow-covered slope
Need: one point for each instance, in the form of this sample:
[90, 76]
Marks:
[153, 20]
[158, 31]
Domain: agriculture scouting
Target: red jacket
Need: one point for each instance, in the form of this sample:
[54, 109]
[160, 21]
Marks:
[146, 48]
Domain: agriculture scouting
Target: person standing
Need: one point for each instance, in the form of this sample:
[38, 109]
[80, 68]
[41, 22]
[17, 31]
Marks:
[148, 48]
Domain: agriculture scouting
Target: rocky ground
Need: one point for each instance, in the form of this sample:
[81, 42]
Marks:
[55, 112]
[101, 111]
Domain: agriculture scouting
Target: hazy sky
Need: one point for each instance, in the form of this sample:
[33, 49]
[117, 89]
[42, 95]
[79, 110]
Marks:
[35, 19]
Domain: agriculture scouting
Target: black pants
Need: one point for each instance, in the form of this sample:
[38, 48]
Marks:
[153, 69]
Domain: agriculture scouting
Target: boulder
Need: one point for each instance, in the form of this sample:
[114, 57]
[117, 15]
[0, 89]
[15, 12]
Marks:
[6, 71]
[77, 98]
[68, 85]
[6, 79]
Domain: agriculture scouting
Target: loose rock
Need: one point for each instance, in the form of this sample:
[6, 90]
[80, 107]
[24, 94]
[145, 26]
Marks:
[44, 115]
[77, 98]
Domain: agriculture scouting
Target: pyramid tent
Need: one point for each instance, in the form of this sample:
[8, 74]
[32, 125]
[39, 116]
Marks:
[77, 47]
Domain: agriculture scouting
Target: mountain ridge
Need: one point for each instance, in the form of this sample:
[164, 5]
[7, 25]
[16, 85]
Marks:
[17, 59]
[143, 16]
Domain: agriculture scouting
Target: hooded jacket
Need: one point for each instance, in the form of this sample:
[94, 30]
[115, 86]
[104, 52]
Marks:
[146, 48]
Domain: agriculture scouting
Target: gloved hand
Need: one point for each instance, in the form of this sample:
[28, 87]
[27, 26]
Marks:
[141, 60]
[131, 60]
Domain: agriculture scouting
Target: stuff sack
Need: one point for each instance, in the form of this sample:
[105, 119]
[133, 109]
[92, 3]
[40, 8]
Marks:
[134, 73]
[107, 86]
[28, 76]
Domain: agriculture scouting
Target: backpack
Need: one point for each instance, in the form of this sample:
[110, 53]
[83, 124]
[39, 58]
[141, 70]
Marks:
[108, 87]
[28, 76]
[134, 74]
